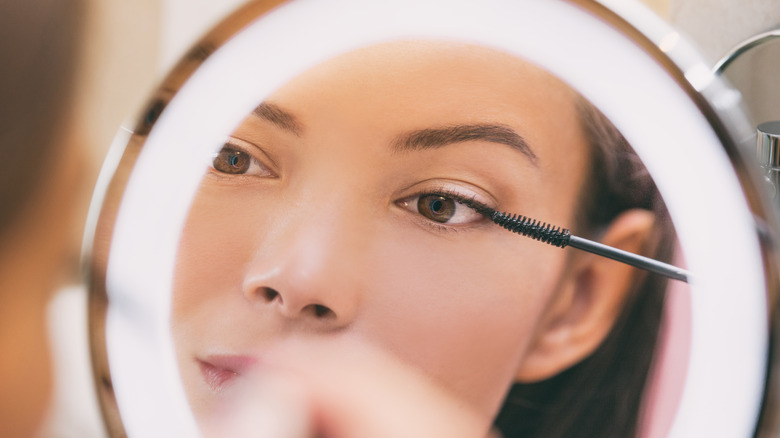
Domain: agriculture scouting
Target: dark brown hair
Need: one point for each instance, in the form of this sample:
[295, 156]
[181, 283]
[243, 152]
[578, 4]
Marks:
[601, 396]
[39, 43]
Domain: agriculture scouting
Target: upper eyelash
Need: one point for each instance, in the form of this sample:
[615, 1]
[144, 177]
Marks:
[232, 145]
[235, 143]
[467, 201]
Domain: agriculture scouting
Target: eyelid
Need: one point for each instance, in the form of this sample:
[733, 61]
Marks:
[457, 189]
[465, 198]
[249, 148]
[256, 154]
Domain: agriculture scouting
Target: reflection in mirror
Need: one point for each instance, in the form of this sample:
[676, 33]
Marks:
[337, 210]
[301, 207]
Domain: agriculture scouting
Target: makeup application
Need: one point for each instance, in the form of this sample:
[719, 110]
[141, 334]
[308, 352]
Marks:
[355, 206]
[562, 237]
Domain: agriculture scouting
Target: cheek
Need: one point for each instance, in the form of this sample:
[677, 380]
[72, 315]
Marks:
[464, 312]
[461, 307]
[215, 247]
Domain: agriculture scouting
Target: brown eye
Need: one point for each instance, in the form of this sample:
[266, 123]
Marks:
[232, 161]
[436, 208]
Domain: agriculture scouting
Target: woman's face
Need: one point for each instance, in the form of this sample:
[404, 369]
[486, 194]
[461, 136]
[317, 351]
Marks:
[331, 213]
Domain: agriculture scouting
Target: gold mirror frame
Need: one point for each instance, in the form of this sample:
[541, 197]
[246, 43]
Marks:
[725, 121]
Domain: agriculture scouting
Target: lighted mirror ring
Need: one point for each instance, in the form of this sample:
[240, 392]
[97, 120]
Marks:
[139, 348]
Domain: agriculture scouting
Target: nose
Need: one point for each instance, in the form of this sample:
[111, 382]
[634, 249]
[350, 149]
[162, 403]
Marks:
[307, 271]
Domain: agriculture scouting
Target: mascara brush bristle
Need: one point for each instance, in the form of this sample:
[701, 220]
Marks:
[561, 237]
[541, 231]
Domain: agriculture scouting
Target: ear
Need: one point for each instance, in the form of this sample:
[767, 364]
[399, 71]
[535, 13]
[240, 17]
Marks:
[584, 308]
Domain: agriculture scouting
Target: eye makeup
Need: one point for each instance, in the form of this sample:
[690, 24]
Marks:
[444, 208]
[236, 158]
[562, 237]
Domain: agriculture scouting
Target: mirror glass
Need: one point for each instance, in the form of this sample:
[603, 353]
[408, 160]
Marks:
[285, 188]
[339, 209]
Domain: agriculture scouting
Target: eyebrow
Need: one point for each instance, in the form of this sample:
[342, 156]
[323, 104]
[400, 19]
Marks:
[434, 138]
[429, 138]
[278, 117]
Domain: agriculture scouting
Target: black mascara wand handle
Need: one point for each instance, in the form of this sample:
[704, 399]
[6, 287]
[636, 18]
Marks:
[562, 237]
[629, 258]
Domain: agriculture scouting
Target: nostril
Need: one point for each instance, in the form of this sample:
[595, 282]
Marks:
[269, 294]
[320, 311]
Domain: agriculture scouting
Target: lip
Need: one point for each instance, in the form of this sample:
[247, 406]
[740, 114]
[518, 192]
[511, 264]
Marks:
[220, 370]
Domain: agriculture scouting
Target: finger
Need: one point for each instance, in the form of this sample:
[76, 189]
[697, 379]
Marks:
[268, 404]
[358, 391]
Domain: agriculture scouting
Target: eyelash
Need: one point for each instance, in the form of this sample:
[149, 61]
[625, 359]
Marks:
[236, 145]
[466, 201]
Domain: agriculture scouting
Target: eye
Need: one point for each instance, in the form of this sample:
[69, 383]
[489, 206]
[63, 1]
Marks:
[232, 160]
[436, 208]
[443, 209]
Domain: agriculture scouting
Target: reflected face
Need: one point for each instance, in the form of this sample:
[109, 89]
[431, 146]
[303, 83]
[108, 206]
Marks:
[332, 213]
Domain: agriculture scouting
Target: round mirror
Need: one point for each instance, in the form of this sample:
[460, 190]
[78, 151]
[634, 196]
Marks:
[307, 175]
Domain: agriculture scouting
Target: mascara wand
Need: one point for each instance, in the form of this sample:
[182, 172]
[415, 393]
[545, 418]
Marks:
[562, 237]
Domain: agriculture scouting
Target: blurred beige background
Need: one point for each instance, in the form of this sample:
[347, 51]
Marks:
[130, 45]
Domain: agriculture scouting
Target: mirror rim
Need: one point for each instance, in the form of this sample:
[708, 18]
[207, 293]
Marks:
[213, 41]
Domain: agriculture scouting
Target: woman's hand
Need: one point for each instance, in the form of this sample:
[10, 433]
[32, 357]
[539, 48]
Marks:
[342, 389]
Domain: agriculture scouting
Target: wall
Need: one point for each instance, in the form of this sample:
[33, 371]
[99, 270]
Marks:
[717, 26]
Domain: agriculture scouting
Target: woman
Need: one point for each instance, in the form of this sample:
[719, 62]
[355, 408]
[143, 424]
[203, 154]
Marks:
[335, 216]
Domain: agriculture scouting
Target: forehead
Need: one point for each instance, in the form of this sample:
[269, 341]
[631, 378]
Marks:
[387, 89]
[451, 75]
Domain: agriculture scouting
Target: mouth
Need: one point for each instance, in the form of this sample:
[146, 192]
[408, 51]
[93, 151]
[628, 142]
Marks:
[218, 371]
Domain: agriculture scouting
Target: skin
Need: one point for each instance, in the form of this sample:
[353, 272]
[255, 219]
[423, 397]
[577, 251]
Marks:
[288, 399]
[322, 240]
